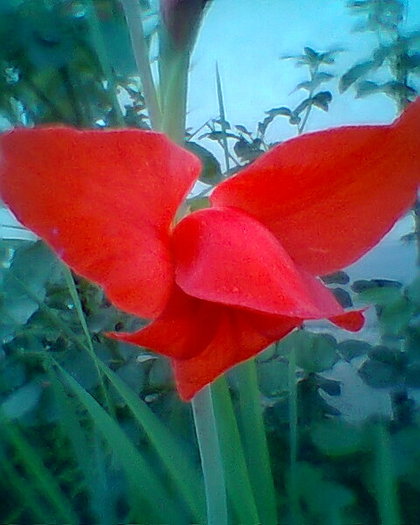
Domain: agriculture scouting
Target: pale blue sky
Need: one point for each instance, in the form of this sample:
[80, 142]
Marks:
[248, 37]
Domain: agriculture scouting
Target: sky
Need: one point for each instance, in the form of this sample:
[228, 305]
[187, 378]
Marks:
[247, 39]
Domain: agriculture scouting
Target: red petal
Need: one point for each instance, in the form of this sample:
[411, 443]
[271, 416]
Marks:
[330, 196]
[225, 256]
[104, 200]
[240, 336]
[206, 339]
[352, 321]
[184, 328]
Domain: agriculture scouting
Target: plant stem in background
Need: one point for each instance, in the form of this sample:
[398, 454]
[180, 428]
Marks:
[386, 491]
[222, 117]
[293, 441]
[132, 13]
[211, 461]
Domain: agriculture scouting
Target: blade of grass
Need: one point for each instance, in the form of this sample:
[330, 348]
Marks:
[37, 473]
[255, 442]
[68, 277]
[178, 463]
[211, 461]
[31, 502]
[146, 488]
[71, 428]
[222, 117]
[238, 484]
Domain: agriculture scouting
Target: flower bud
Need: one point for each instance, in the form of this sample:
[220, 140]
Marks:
[181, 18]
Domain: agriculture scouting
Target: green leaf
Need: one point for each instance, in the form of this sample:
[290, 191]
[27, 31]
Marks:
[32, 267]
[336, 278]
[376, 291]
[37, 473]
[238, 482]
[315, 352]
[322, 99]
[378, 374]
[149, 495]
[22, 400]
[275, 112]
[255, 441]
[366, 87]
[396, 316]
[354, 73]
[352, 348]
[178, 463]
[273, 377]
[211, 172]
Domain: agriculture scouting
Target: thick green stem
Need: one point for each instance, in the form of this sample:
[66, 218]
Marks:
[174, 66]
[386, 490]
[132, 13]
[211, 461]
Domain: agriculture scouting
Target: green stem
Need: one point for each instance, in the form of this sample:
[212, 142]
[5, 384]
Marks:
[211, 461]
[386, 490]
[293, 440]
[174, 86]
[132, 13]
[255, 442]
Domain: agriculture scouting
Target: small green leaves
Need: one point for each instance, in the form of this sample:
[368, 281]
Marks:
[314, 352]
[211, 172]
[322, 99]
[355, 73]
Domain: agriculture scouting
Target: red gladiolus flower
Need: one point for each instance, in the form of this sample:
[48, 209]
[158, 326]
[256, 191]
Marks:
[227, 281]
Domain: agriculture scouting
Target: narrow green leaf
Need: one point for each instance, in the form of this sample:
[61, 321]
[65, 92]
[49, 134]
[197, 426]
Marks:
[179, 464]
[238, 482]
[255, 442]
[71, 428]
[37, 472]
[31, 501]
[149, 497]
[354, 73]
